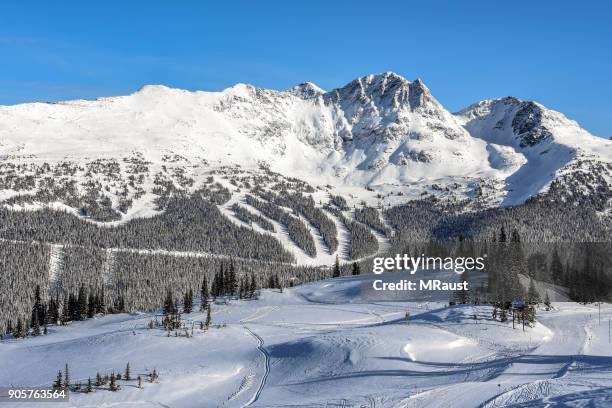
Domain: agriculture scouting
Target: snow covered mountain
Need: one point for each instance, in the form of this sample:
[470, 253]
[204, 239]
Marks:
[381, 132]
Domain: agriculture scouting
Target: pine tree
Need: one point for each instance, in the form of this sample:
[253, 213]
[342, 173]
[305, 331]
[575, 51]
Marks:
[82, 304]
[53, 311]
[127, 372]
[66, 378]
[101, 302]
[35, 326]
[169, 304]
[221, 282]
[336, 272]
[188, 301]
[20, 330]
[232, 283]
[57, 384]
[98, 379]
[532, 295]
[204, 295]
[556, 268]
[271, 282]
[91, 305]
[112, 385]
[547, 301]
[38, 310]
[89, 387]
[119, 306]
[253, 286]
[208, 317]
[502, 235]
[65, 309]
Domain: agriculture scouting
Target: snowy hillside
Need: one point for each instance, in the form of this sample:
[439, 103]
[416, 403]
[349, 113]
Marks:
[322, 345]
[537, 143]
[380, 131]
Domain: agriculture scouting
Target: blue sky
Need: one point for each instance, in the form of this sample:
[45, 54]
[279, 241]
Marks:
[558, 53]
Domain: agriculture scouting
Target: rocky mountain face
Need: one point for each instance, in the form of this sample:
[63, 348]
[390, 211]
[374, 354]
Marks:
[380, 137]
[544, 142]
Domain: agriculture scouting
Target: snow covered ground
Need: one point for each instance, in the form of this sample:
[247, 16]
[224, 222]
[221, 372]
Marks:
[321, 345]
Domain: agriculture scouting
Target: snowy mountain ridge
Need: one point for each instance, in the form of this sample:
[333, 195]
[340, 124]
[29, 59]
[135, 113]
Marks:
[380, 131]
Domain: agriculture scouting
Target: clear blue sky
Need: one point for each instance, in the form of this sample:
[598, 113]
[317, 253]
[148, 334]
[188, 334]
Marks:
[555, 52]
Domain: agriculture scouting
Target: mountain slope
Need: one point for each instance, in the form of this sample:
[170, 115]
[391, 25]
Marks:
[544, 143]
[381, 132]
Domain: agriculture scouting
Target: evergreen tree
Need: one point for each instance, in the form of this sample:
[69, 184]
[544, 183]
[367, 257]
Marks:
[113, 384]
[53, 315]
[91, 305]
[231, 280]
[336, 272]
[547, 301]
[204, 294]
[57, 384]
[556, 268]
[119, 306]
[253, 286]
[208, 317]
[82, 304]
[241, 289]
[221, 282]
[188, 301]
[89, 387]
[35, 326]
[127, 372]
[38, 310]
[98, 379]
[169, 304]
[532, 295]
[101, 302]
[502, 235]
[19, 330]
[66, 378]
[65, 309]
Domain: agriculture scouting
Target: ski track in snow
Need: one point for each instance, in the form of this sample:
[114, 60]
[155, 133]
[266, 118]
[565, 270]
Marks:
[266, 356]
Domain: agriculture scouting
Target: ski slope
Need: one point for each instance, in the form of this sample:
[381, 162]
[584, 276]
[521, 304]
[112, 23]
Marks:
[321, 345]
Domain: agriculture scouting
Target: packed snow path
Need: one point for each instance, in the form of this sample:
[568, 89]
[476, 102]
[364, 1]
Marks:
[321, 345]
[264, 353]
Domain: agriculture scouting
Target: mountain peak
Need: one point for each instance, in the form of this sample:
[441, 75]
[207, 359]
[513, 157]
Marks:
[154, 89]
[306, 90]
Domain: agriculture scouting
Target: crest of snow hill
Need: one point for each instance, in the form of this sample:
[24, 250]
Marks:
[379, 134]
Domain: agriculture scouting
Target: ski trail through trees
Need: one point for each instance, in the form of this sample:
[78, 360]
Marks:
[55, 264]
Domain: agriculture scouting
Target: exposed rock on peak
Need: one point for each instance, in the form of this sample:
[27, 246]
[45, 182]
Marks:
[306, 90]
